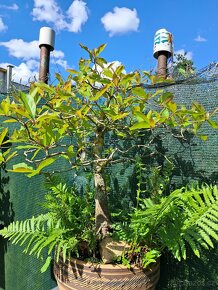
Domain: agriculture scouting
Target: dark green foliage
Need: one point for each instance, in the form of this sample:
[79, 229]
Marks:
[183, 220]
[70, 207]
[67, 228]
[187, 218]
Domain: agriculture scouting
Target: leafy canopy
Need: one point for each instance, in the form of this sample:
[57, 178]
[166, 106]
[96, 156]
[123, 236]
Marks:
[63, 120]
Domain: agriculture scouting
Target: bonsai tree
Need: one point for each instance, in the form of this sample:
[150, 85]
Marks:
[100, 116]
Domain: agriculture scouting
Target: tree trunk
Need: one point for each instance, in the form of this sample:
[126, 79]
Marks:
[102, 217]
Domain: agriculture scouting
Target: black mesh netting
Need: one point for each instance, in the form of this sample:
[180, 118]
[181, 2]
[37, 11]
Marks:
[194, 159]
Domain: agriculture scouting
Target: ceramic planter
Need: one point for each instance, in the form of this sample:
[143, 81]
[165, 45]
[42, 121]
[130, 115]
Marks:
[79, 275]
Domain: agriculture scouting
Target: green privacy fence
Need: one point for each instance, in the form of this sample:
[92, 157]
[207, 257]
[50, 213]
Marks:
[20, 198]
[194, 159]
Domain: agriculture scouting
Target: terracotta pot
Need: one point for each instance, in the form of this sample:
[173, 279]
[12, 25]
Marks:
[79, 275]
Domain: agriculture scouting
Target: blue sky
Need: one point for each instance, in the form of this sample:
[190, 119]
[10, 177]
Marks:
[128, 28]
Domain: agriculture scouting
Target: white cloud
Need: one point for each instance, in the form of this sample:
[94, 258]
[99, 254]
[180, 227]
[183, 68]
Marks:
[120, 21]
[33, 64]
[78, 13]
[3, 27]
[50, 12]
[187, 54]
[23, 73]
[57, 54]
[200, 39]
[10, 7]
[21, 49]
[27, 50]
[60, 62]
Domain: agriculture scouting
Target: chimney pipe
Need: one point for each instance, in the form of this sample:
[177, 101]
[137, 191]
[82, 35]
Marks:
[163, 49]
[9, 77]
[46, 45]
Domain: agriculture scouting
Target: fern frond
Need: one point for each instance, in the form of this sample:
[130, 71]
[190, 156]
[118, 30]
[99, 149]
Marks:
[206, 237]
[38, 233]
[194, 246]
[209, 198]
[212, 216]
[185, 218]
[182, 249]
[209, 230]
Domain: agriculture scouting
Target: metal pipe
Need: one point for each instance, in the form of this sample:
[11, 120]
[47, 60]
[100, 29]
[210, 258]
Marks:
[46, 45]
[44, 63]
[162, 63]
[9, 77]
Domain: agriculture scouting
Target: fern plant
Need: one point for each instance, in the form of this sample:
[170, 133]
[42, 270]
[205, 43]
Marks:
[187, 218]
[66, 228]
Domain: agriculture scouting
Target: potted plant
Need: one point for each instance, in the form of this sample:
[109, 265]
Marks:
[99, 117]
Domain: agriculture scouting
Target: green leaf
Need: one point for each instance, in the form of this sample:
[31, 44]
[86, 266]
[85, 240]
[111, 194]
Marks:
[64, 251]
[172, 106]
[11, 156]
[10, 121]
[140, 116]
[21, 168]
[100, 49]
[198, 107]
[59, 78]
[119, 70]
[70, 151]
[5, 107]
[140, 92]
[141, 125]
[203, 137]
[120, 134]
[165, 113]
[158, 92]
[107, 72]
[182, 71]
[45, 87]
[166, 97]
[85, 48]
[72, 71]
[29, 104]
[119, 116]
[37, 243]
[126, 79]
[27, 147]
[2, 135]
[34, 94]
[43, 164]
[46, 264]
[35, 153]
[213, 124]
[182, 248]
[100, 93]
